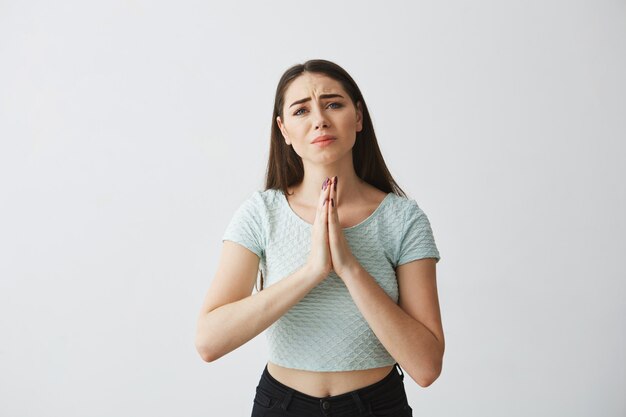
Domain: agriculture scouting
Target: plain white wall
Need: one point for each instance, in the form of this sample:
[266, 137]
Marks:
[131, 130]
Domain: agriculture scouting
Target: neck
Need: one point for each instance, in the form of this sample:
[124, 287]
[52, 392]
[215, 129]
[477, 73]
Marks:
[349, 185]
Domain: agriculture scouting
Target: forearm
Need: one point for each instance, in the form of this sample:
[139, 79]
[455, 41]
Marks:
[232, 325]
[410, 343]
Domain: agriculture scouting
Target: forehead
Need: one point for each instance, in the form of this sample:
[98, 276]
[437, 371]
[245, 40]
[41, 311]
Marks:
[311, 85]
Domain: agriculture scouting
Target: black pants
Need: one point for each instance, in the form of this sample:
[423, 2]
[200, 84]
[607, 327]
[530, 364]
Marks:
[386, 397]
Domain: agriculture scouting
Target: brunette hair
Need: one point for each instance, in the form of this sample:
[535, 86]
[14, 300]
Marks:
[285, 167]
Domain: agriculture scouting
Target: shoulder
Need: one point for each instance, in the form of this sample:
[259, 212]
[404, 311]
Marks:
[261, 203]
[260, 198]
[269, 198]
[406, 214]
[401, 205]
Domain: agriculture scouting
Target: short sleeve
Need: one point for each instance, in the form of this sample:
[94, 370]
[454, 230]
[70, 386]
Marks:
[417, 240]
[246, 225]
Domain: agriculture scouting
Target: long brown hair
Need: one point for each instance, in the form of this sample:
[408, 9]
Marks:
[285, 167]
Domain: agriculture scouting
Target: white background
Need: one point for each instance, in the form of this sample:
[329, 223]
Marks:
[130, 131]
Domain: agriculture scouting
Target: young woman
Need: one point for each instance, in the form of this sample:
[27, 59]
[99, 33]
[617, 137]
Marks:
[348, 259]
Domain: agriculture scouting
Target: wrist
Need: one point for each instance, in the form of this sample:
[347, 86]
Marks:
[351, 270]
[310, 274]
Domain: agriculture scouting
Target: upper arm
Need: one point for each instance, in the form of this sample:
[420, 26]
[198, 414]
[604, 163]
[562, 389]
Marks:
[235, 277]
[417, 286]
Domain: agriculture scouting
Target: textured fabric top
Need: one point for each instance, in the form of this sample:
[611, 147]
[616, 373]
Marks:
[325, 331]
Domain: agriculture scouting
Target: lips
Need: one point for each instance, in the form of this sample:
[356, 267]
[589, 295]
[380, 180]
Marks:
[322, 138]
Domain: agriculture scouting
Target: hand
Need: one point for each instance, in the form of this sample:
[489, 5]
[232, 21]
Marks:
[341, 255]
[319, 261]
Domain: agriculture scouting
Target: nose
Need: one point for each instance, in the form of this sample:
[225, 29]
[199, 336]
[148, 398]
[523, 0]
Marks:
[320, 120]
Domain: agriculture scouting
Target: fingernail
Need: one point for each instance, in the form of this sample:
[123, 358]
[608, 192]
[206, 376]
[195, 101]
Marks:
[325, 184]
[332, 201]
[336, 179]
[324, 202]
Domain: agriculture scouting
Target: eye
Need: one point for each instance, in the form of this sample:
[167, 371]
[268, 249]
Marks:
[339, 105]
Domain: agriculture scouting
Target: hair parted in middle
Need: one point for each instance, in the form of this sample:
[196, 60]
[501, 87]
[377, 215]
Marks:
[285, 167]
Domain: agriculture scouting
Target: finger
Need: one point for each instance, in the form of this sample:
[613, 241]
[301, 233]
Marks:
[327, 202]
[332, 209]
[333, 196]
[323, 195]
[322, 207]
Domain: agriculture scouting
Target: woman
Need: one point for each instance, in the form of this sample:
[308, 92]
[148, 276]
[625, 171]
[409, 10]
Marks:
[350, 264]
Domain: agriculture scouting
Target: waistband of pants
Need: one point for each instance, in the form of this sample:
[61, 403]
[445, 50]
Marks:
[393, 378]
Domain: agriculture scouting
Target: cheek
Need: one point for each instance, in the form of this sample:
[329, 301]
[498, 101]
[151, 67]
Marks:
[348, 121]
[348, 118]
[299, 133]
[298, 148]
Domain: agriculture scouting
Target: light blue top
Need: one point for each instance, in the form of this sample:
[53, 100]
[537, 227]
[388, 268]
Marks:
[325, 331]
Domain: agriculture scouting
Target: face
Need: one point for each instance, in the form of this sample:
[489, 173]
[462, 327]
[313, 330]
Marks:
[316, 105]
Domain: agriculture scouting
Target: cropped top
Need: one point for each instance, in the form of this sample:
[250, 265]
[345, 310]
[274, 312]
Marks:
[325, 331]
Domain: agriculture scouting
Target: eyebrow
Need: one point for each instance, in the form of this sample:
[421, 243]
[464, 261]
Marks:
[322, 96]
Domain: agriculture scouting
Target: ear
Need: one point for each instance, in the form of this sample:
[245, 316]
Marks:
[283, 130]
[359, 117]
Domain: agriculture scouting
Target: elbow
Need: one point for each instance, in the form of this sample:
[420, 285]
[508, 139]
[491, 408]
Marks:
[207, 355]
[425, 379]
[206, 352]
[431, 372]
[205, 342]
